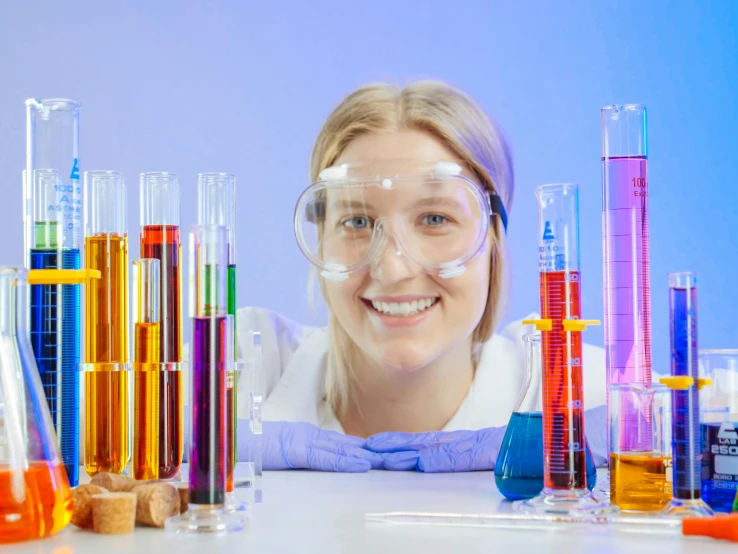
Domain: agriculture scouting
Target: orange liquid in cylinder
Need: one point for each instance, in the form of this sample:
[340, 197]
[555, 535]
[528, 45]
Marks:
[34, 503]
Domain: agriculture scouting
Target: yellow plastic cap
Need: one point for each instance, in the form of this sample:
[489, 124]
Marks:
[677, 383]
[541, 324]
[578, 324]
[61, 276]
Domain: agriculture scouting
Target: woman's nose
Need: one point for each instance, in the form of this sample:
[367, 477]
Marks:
[392, 264]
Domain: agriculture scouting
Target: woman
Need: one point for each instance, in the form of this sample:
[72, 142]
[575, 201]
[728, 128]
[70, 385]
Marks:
[405, 226]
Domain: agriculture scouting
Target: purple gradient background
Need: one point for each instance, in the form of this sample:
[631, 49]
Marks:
[191, 86]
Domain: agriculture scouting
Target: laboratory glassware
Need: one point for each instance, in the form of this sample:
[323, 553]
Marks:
[105, 367]
[160, 239]
[212, 358]
[564, 486]
[35, 499]
[519, 466]
[53, 217]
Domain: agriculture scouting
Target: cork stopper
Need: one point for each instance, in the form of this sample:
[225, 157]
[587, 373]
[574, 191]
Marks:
[155, 503]
[114, 513]
[82, 516]
[114, 482]
[184, 497]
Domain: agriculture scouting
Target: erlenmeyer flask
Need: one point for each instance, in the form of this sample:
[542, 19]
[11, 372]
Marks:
[35, 500]
[519, 467]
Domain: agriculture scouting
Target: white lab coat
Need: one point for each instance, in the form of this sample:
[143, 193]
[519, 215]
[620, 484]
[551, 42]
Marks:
[294, 365]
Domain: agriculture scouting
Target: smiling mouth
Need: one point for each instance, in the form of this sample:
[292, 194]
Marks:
[401, 309]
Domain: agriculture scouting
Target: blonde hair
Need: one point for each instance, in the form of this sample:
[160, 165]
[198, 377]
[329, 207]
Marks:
[460, 125]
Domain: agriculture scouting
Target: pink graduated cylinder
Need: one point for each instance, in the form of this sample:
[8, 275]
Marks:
[627, 288]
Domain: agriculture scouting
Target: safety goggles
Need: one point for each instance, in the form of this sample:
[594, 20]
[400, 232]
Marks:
[431, 214]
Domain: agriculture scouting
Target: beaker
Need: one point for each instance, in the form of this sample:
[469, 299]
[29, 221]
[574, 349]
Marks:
[719, 428]
[519, 466]
[640, 473]
[35, 500]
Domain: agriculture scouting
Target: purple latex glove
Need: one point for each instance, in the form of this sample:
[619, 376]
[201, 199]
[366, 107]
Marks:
[288, 445]
[439, 452]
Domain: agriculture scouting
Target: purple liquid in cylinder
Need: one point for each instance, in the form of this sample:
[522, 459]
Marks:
[208, 448]
[627, 288]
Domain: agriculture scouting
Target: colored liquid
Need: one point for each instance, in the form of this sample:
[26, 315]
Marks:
[626, 280]
[106, 412]
[640, 481]
[55, 333]
[232, 387]
[162, 242]
[686, 443]
[208, 451]
[519, 466]
[34, 503]
[561, 356]
[719, 465]
[106, 308]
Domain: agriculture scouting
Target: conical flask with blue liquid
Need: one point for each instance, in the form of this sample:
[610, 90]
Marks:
[519, 467]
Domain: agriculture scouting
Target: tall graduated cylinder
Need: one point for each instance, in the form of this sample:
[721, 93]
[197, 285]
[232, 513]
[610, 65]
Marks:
[160, 239]
[626, 264]
[106, 368]
[52, 231]
[561, 350]
[212, 358]
[216, 195]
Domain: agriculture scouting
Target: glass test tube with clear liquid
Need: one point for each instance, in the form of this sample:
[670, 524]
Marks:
[105, 367]
[686, 440]
[212, 358]
[160, 239]
[564, 479]
[626, 271]
[53, 220]
[216, 205]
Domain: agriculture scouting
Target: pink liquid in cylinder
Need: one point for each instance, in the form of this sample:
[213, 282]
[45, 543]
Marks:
[627, 289]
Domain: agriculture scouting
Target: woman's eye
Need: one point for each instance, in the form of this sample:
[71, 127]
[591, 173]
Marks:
[435, 219]
[357, 222]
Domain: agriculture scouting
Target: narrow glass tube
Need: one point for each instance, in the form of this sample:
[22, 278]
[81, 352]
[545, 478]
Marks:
[626, 271]
[146, 370]
[564, 448]
[106, 324]
[216, 195]
[211, 360]
[685, 436]
[160, 239]
[55, 309]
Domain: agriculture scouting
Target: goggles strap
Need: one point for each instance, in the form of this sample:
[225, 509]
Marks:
[497, 207]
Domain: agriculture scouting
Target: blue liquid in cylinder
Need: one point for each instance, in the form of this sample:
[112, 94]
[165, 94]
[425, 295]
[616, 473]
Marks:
[686, 443]
[55, 339]
[519, 467]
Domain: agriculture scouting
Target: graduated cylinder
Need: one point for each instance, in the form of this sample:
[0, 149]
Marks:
[105, 368]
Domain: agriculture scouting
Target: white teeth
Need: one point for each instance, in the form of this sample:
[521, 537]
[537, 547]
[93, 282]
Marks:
[403, 309]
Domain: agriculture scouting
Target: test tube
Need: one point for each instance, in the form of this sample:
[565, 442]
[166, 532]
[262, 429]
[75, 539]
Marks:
[626, 271]
[212, 336]
[53, 217]
[160, 239]
[216, 194]
[106, 324]
[565, 474]
[685, 384]
[147, 371]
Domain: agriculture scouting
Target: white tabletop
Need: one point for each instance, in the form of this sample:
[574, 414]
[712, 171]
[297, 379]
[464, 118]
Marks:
[309, 512]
